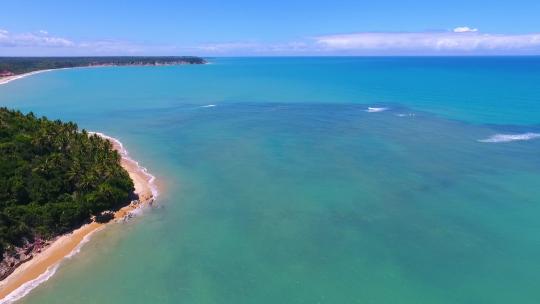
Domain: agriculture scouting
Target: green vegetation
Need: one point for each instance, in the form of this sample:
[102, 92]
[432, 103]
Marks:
[53, 178]
[20, 65]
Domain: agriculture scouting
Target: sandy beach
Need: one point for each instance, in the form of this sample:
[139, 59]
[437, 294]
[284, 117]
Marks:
[8, 79]
[44, 264]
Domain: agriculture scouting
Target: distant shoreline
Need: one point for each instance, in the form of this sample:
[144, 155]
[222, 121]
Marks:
[44, 264]
[13, 68]
[8, 79]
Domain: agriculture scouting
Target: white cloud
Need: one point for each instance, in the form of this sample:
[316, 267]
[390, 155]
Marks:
[43, 43]
[465, 29]
[252, 48]
[40, 39]
[109, 46]
[431, 42]
[461, 40]
[228, 46]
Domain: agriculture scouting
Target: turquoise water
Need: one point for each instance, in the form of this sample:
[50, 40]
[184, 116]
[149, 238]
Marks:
[289, 191]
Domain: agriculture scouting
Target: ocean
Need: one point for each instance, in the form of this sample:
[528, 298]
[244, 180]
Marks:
[311, 180]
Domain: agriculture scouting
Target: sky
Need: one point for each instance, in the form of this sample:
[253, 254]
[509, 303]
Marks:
[269, 28]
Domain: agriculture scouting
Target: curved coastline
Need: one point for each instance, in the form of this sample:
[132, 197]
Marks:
[9, 79]
[43, 265]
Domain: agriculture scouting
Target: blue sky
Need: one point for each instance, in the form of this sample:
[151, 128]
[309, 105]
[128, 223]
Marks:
[296, 27]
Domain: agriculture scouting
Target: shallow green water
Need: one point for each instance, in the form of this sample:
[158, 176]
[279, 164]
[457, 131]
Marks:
[289, 191]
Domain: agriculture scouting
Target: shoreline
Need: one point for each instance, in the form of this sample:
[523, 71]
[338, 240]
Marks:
[8, 79]
[44, 264]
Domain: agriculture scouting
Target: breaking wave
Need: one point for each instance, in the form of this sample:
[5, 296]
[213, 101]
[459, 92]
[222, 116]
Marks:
[25, 288]
[500, 138]
[405, 115]
[375, 110]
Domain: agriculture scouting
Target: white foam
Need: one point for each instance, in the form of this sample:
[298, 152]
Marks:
[136, 212]
[208, 106]
[124, 155]
[85, 240]
[499, 138]
[375, 110]
[405, 115]
[25, 288]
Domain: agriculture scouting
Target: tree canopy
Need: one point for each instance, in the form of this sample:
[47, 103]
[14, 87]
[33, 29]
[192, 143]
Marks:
[53, 178]
[20, 65]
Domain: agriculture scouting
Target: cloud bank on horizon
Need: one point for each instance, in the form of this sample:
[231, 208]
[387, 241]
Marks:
[41, 43]
[462, 40]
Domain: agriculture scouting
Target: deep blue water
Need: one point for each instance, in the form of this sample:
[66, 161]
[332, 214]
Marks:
[289, 190]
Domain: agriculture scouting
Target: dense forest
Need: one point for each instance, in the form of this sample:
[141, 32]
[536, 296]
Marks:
[53, 178]
[20, 65]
